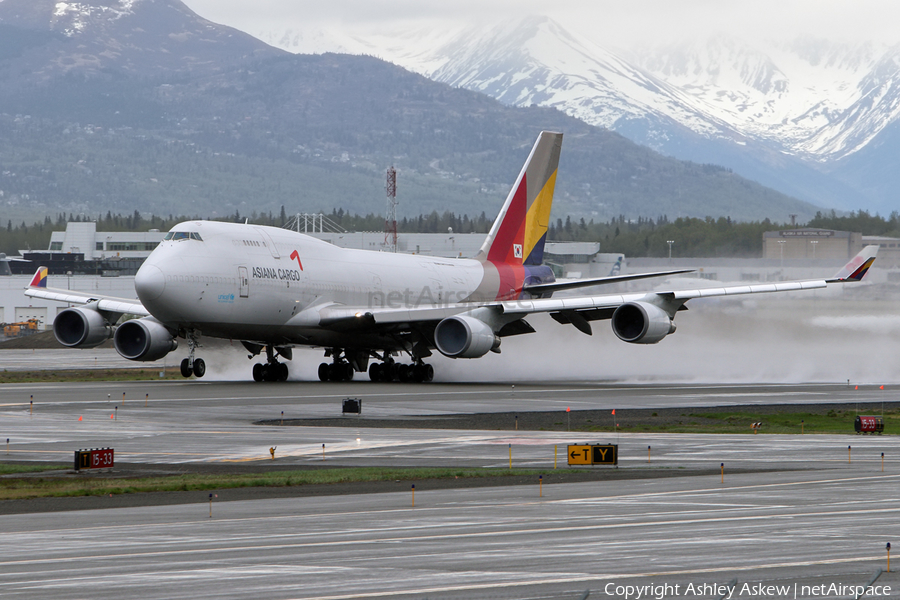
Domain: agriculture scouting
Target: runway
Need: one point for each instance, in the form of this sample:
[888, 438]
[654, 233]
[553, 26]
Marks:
[174, 422]
[798, 529]
[825, 520]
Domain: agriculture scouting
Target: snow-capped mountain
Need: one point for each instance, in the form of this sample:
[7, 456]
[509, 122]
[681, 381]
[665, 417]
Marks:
[818, 100]
[798, 107]
[144, 37]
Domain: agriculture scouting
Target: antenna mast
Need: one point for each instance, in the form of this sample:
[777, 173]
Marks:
[390, 219]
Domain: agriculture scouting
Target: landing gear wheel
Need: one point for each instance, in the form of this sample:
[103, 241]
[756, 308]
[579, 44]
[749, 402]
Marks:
[283, 372]
[429, 372]
[186, 369]
[199, 367]
[258, 372]
[376, 372]
[324, 372]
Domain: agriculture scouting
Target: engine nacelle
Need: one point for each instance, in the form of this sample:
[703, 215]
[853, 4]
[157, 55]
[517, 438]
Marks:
[641, 323]
[463, 336]
[81, 328]
[144, 339]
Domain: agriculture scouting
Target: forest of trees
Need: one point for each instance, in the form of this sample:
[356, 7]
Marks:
[639, 237]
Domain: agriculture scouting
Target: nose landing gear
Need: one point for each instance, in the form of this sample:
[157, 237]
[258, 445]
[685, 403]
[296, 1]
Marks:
[190, 365]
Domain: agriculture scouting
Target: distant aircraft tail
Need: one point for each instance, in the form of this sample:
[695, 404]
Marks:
[517, 236]
[40, 278]
[616, 268]
[858, 266]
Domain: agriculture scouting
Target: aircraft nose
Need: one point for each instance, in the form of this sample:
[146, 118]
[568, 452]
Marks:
[149, 282]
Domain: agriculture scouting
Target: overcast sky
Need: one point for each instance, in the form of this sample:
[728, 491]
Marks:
[614, 22]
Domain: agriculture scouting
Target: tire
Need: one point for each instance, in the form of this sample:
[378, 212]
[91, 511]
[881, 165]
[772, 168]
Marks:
[257, 372]
[375, 372]
[403, 373]
[324, 372]
[199, 367]
[348, 372]
[186, 370]
[429, 373]
[283, 372]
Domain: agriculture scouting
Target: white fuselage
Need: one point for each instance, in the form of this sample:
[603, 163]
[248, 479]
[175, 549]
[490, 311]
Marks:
[250, 282]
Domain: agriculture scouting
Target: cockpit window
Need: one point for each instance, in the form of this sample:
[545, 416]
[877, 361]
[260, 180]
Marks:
[183, 235]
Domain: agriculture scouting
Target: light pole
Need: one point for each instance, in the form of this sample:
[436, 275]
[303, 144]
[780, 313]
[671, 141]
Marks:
[781, 248]
[670, 242]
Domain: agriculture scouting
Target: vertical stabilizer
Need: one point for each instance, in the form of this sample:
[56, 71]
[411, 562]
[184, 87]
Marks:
[517, 236]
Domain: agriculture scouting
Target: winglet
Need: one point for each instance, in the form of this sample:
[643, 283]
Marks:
[40, 278]
[858, 266]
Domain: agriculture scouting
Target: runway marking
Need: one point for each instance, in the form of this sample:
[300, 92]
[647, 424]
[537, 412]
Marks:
[423, 538]
[584, 578]
[540, 578]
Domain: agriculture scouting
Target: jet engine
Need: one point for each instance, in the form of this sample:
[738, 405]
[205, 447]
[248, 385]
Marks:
[81, 327]
[463, 336]
[641, 323]
[144, 339]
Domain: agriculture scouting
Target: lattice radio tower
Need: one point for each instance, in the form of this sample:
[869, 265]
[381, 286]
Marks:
[390, 218]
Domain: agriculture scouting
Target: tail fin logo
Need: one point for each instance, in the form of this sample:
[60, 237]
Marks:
[859, 273]
[517, 250]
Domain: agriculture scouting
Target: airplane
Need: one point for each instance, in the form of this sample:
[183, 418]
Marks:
[274, 289]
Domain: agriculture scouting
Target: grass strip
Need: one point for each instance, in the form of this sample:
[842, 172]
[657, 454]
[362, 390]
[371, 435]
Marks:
[76, 375]
[41, 487]
[16, 469]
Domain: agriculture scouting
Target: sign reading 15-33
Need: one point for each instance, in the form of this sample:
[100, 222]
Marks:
[593, 454]
[95, 458]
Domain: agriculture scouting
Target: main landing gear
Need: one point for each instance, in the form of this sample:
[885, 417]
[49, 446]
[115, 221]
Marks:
[272, 370]
[391, 371]
[341, 369]
[190, 365]
[346, 363]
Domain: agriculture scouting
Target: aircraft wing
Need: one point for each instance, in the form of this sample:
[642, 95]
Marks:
[108, 304]
[38, 289]
[601, 307]
[575, 310]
